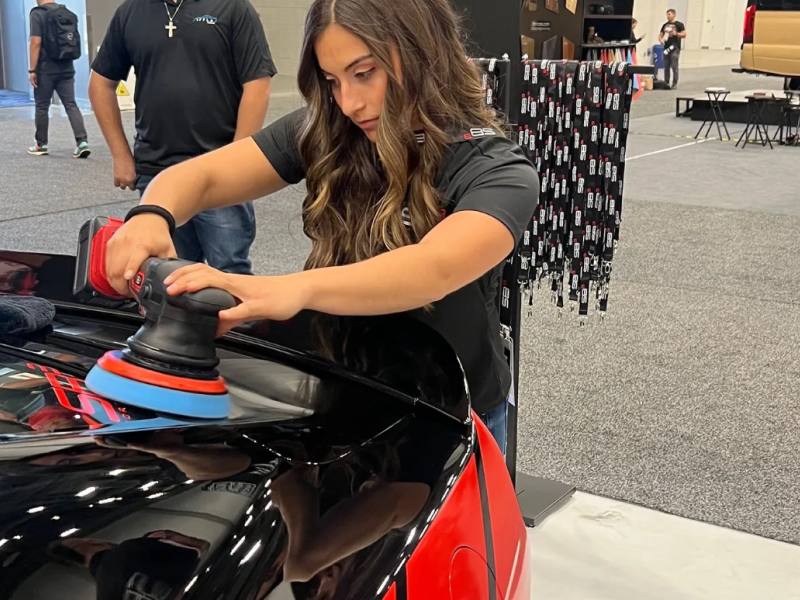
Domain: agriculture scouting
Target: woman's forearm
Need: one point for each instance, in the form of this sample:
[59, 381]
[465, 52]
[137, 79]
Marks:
[236, 173]
[179, 189]
[458, 251]
[397, 281]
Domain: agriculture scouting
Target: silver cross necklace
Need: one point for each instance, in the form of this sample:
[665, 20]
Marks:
[172, 27]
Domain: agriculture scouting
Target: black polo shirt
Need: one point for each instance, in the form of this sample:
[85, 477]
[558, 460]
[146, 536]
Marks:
[488, 174]
[189, 86]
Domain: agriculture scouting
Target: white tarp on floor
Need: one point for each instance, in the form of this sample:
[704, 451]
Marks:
[600, 549]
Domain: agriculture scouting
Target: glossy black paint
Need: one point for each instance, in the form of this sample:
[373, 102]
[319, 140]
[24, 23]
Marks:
[346, 437]
[396, 351]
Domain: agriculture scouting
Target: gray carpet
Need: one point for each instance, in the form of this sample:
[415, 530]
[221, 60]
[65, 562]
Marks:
[685, 400]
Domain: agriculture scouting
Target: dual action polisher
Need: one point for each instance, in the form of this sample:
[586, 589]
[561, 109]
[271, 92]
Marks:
[170, 364]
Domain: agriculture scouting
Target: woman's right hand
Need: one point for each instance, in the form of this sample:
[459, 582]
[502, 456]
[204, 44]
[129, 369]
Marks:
[143, 237]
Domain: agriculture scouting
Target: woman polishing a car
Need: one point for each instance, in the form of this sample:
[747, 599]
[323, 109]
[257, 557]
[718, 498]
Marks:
[407, 211]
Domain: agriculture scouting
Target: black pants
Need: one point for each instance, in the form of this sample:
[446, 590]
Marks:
[64, 86]
[671, 62]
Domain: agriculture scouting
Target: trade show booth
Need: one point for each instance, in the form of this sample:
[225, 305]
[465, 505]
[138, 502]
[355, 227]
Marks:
[571, 117]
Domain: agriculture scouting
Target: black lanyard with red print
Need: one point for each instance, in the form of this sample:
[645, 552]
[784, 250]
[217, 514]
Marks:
[489, 71]
[573, 126]
[572, 122]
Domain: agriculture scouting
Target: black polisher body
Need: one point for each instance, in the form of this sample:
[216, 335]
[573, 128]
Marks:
[178, 334]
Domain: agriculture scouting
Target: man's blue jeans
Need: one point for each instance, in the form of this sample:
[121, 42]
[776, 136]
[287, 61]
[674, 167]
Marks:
[496, 422]
[220, 237]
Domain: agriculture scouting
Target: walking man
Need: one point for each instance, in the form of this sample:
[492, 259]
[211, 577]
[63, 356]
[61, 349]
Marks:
[203, 78]
[672, 32]
[54, 45]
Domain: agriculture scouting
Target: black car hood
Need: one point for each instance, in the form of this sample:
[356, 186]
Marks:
[337, 425]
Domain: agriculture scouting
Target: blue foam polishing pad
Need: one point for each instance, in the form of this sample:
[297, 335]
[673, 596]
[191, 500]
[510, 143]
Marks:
[158, 399]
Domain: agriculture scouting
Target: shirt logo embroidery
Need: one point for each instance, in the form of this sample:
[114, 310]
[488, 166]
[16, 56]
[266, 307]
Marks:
[479, 133]
[208, 19]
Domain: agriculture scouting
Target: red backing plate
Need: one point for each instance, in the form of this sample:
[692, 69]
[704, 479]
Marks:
[113, 363]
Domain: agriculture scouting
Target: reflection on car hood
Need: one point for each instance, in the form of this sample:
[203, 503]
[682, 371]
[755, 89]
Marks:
[344, 431]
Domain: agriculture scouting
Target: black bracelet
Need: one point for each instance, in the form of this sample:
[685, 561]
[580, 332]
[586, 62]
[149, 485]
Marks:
[152, 209]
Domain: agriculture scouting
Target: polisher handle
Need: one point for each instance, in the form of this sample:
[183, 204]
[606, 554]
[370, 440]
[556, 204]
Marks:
[149, 289]
[209, 301]
[179, 331]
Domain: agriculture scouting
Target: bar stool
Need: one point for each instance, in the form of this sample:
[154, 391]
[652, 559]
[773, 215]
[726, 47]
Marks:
[789, 131]
[755, 120]
[715, 96]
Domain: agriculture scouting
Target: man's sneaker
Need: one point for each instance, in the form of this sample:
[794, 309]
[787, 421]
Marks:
[38, 150]
[82, 151]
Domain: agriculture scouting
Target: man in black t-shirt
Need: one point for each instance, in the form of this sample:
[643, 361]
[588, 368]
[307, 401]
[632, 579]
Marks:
[672, 32]
[203, 72]
[48, 75]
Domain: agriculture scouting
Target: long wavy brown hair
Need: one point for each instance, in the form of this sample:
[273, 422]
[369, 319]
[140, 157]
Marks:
[357, 190]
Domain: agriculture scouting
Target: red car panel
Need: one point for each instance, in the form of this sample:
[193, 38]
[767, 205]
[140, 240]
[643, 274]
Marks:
[476, 547]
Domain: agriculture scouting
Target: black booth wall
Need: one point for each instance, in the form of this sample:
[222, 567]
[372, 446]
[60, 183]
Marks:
[492, 26]
[493, 29]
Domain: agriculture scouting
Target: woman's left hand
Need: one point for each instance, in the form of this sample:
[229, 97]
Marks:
[276, 298]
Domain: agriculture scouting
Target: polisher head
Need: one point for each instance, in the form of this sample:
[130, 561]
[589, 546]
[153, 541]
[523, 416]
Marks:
[117, 379]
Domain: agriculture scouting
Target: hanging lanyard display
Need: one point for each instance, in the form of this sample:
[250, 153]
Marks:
[490, 79]
[573, 126]
[572, 121]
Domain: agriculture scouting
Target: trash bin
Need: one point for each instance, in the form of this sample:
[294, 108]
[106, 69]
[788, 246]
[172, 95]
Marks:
[658, 56]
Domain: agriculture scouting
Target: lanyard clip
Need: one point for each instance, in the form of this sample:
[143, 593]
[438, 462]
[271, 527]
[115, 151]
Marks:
[602, 300]
[583, 312]
[530, 300]
[505, 334]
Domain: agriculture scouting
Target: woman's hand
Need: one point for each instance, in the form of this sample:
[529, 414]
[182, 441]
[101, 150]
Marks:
[142, 237]
[275, 298]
